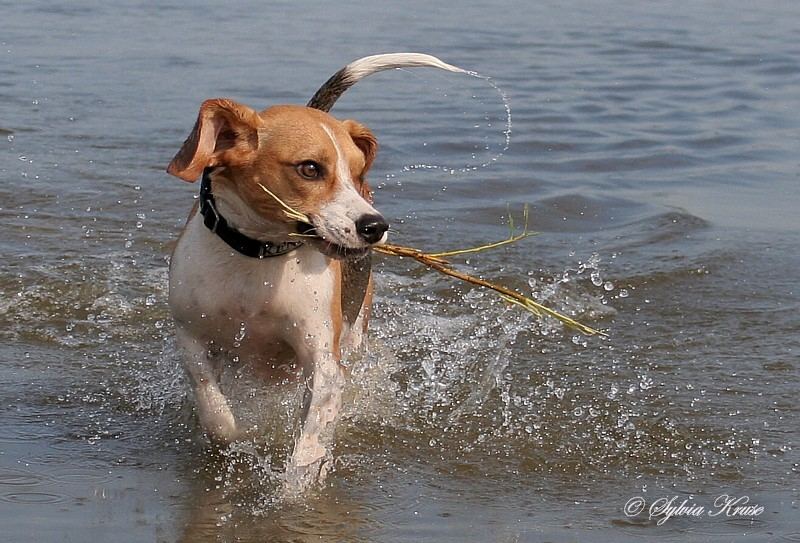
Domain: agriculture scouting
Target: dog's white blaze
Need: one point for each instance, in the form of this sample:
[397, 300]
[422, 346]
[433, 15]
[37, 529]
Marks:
[342, 167]
[338, 216]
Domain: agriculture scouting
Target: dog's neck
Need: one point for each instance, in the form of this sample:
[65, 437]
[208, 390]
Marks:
[241, 243]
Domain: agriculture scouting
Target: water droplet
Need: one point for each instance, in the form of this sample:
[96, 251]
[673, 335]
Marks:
[150, 300]
[608, 285]
[237, 339]
[623, 293]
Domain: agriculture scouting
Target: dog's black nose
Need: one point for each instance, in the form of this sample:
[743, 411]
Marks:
[371, 228]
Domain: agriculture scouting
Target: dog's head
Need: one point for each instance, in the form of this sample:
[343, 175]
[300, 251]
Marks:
[311, 161]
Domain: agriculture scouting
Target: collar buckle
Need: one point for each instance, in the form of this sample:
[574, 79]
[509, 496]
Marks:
[215, 220]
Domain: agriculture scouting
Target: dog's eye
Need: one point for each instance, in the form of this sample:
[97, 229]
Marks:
[309, 170]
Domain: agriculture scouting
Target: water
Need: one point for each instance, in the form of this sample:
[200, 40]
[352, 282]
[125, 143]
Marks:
[657, 148]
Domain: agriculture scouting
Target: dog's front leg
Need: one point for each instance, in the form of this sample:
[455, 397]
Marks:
[324, 379]
[213, 410]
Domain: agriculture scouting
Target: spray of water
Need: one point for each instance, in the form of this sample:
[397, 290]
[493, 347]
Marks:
[494, 157]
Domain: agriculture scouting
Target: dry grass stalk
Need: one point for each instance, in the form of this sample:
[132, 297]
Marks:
[512, 238]
[436, 261]
[288, 210]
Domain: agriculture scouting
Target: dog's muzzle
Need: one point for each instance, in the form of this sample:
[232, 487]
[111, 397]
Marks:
[371, 228]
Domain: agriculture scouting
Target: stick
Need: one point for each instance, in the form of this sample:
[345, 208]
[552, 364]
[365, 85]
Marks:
[435, 262]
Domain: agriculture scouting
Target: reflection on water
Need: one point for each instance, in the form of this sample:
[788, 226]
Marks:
[236, 496]
[658, 154]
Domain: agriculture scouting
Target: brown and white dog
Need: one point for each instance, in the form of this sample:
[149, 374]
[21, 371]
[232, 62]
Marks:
[244, 285]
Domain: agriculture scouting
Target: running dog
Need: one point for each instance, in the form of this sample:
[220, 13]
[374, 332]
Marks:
[301, 289]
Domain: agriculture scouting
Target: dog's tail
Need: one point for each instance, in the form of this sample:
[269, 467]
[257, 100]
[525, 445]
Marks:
[357, 70]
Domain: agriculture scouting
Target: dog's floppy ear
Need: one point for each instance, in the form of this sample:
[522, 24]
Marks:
[225, 134]
[367, 143]
[364, 140]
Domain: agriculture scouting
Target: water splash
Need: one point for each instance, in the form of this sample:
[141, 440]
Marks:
[492, 158]
[450, 372]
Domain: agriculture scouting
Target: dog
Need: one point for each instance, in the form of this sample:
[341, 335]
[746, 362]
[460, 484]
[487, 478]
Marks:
[249, 281]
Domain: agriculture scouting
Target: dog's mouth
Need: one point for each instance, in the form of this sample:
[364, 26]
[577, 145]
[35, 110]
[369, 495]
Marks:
[329, 248]
[340, 252]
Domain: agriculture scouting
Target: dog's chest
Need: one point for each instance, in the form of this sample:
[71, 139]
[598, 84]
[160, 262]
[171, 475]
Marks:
[249, 304]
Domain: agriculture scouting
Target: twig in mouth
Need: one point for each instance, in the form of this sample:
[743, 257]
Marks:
[288, 210]
[437, 262]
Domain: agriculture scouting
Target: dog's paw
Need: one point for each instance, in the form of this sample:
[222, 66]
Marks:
[298, 479]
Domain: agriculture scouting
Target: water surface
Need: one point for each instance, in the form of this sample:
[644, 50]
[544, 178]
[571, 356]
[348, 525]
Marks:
[657, 148]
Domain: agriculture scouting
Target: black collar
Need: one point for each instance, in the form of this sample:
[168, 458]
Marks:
[236, 240]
